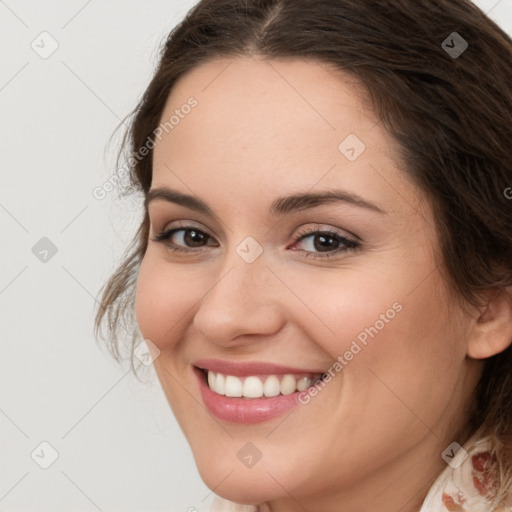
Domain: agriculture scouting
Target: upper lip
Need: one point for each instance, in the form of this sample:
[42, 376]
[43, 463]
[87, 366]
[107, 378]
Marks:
[243, 369]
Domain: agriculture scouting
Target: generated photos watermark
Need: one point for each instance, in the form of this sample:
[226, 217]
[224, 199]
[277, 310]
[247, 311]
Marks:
[101, 191]
[356, 346]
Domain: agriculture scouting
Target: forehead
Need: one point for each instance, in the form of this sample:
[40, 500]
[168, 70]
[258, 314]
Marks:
[253, 103]
[274, 125]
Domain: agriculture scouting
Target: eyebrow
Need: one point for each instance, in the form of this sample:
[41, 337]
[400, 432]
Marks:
[279, 207]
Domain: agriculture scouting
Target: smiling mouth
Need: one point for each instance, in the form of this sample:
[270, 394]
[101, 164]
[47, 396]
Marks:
[259, 386]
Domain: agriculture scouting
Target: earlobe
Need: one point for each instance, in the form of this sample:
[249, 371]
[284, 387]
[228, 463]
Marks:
[492, 331]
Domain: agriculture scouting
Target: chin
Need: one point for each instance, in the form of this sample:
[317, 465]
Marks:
[245, 492]
[243, 485]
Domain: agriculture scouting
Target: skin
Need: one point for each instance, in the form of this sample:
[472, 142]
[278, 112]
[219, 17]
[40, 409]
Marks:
[372, 438]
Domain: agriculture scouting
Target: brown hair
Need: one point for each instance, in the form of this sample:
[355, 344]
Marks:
[450, 114]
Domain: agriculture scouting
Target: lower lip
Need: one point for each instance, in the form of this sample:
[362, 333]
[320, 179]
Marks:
[244, 410]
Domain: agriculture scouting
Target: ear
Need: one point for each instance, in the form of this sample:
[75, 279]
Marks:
[492, 331]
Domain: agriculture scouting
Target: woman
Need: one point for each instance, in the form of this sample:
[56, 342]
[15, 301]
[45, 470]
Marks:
[323, 273]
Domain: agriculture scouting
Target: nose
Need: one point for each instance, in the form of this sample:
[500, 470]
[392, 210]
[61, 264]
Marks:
[242, 300]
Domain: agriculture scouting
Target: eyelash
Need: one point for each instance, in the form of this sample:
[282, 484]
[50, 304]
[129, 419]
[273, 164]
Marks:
[349, 245]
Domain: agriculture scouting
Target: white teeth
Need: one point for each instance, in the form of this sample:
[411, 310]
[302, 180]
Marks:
[220, 383]
[211, 380]
[271, 386]
[288, 385]
[233, 386]
[254, 387]
[303, 384]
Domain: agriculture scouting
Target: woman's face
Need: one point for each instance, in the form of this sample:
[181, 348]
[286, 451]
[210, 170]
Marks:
[257, 284]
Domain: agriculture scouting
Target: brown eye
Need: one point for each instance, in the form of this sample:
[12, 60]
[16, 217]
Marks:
[193, 237]
[324, 243]
[188, 237]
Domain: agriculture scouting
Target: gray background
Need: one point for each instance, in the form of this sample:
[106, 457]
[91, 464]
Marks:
[119, 446]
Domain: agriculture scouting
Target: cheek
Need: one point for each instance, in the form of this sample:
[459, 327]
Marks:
[384, 326]
[347, 309]
[164, 298]
[409, 366]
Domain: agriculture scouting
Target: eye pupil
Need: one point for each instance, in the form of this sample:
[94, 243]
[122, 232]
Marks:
[193, 237]
[323, 245]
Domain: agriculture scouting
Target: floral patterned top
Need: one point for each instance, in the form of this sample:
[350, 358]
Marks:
[468, 484]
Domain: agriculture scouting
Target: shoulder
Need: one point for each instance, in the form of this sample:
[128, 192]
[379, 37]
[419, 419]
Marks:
[470, 482]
